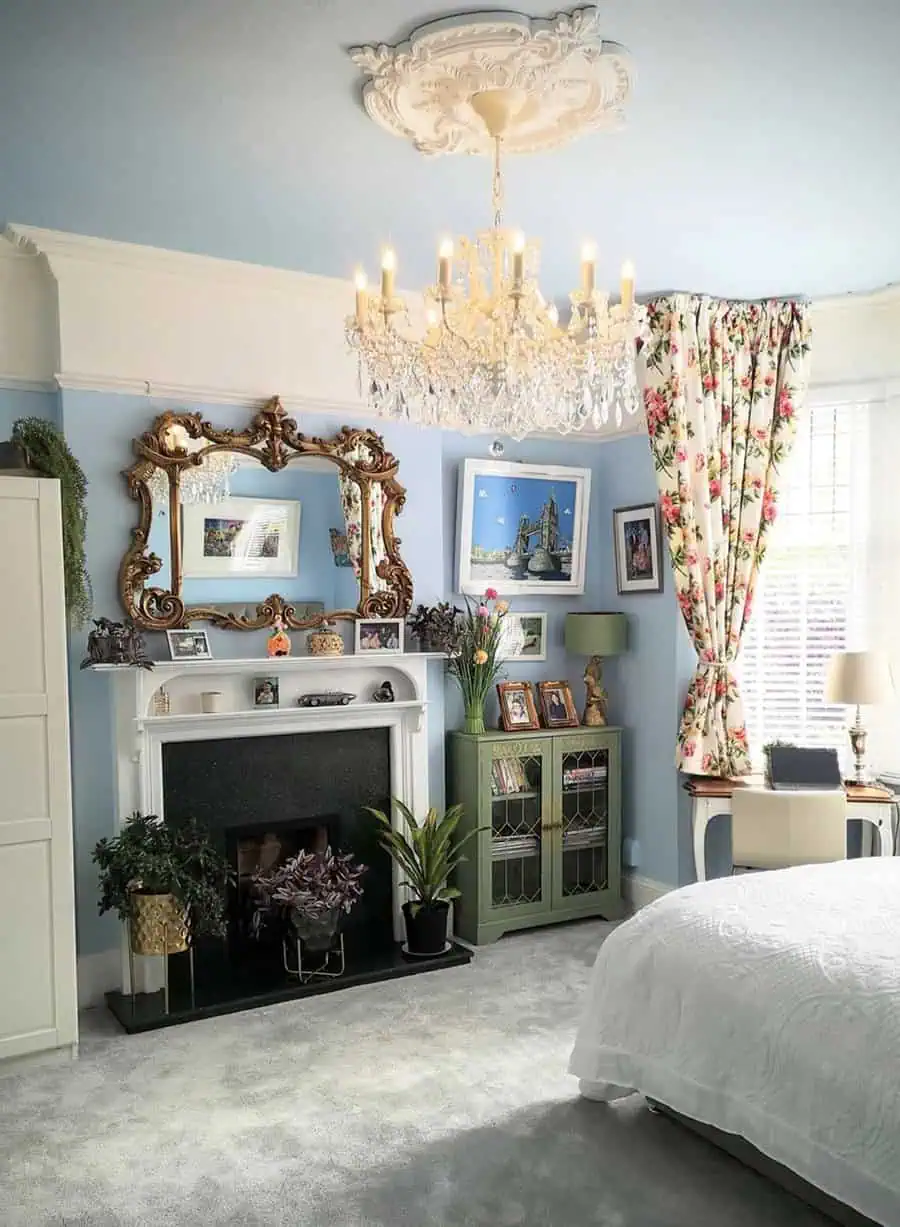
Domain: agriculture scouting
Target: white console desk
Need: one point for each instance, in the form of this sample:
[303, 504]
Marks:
[712, 797]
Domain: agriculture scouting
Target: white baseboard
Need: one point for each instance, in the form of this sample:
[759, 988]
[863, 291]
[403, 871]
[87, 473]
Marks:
[97, 974]
[639, 891]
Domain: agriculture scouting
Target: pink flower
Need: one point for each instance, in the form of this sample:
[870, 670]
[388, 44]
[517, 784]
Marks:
[715, 488]
[784, 409]
[483, 611]
[691, 556]
[681, 453]
[720, 590]
[749, 536]
[769, 380]
[769, 507]
[700, 462]
[689, 749]
[760, 433]
[706, 763]
[669, 509]
[490, 594]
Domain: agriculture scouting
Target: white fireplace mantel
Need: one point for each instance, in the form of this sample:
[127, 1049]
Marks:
[140, 733]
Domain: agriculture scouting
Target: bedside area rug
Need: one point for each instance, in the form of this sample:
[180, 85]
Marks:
[438, 1101]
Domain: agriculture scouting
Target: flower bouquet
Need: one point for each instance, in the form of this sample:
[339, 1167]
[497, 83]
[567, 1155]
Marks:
[473, 657]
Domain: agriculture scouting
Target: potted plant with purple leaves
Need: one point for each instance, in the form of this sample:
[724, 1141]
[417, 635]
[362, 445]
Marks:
[435, 626]
[427, 856]
[312, 890]
[474, 657]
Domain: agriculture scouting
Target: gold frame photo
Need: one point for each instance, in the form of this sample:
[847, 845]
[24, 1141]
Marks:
[510, 718]
[563, 693]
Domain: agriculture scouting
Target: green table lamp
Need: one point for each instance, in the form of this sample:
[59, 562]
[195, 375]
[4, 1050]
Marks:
[595, 635]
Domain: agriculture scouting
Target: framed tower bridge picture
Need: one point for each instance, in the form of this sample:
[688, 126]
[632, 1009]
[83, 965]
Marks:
[521, 528]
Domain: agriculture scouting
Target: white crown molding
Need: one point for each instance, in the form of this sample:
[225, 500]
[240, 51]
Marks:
[565, 80]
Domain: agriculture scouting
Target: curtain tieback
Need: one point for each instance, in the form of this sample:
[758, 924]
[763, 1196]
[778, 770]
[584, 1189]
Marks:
[714, 664]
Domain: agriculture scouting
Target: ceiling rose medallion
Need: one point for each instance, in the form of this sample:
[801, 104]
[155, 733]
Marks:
[493, 354]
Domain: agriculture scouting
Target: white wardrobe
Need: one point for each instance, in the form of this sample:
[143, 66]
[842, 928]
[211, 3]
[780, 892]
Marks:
[38, 999]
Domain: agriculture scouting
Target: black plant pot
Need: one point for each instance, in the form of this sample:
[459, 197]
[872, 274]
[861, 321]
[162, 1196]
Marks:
[426, 932]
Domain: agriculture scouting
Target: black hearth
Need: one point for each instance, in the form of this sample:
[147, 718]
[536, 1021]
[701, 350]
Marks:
[264, 798]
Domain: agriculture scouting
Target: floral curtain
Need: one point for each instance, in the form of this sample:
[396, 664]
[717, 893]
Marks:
[351, 504]
[722, 384]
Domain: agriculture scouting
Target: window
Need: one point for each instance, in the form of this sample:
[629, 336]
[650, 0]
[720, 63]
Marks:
[809, 598]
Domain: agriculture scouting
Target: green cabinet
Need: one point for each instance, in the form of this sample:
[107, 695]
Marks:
[550, 803]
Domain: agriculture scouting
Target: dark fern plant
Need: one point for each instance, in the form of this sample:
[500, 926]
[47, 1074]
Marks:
[153, 857]
[47, 452]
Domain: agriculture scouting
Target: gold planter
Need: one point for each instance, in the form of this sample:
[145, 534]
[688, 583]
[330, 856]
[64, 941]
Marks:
[158, 925]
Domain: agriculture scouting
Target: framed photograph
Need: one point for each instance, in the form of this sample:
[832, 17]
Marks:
[381, 635]
[524, 636]
[517, 710]
[265, 692]
[241, 537]
[521, 528]
[557, 705]
[189, 645]
[638, 554]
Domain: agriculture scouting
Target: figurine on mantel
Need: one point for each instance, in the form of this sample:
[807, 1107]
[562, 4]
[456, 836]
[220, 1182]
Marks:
[384, 693]
[116, 643]
[279, 642]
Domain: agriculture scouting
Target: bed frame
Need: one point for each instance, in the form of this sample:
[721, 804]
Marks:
[739, 1148]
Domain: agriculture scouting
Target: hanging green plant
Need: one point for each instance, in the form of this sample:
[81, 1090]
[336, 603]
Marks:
[47, 452]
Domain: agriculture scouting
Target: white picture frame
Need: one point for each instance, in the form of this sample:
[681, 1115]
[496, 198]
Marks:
[256, 536]
[189, 644]
[388, 632]
[523, 636]
[516, 497]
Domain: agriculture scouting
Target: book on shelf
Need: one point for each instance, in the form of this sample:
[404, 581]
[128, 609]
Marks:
[573, 776]
[508, 777]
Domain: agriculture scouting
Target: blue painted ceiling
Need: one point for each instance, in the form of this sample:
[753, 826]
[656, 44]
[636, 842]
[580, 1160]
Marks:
[761, 156]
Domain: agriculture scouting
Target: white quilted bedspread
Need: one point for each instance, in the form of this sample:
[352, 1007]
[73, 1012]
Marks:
[767, 1005]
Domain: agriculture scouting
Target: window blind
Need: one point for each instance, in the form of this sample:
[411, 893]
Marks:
[809, 598]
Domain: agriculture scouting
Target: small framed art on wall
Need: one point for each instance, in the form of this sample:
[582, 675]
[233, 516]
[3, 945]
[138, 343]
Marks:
[638, 554]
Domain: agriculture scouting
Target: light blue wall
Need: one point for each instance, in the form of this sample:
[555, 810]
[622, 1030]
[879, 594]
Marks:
[18, 404]
[644, 685]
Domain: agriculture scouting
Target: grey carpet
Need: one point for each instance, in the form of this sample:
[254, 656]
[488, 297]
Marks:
[439, 1101]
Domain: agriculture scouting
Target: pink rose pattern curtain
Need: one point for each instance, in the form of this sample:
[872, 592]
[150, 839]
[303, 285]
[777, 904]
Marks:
[722, 384]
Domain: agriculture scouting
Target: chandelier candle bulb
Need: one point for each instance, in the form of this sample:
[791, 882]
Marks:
[627, 285]
[518, 247]
[362, 297]
[388, 268]
[445, 264]
[588, 267]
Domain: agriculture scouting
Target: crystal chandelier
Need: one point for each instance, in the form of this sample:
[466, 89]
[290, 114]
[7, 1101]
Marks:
[206, 482]
[493, 355]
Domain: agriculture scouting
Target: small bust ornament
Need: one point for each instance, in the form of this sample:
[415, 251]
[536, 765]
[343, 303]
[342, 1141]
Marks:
[279, 643]
[384, 693]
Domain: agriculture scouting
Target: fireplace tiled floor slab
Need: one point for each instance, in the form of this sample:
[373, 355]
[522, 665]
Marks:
[228, 995]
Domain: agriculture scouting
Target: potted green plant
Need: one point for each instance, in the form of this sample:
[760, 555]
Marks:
[474, 658]
[166, 879]
[45, 450]
[311, 890]
[435, 626]
[427, 856]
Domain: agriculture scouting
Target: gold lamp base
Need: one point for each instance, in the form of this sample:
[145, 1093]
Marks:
[595, 696]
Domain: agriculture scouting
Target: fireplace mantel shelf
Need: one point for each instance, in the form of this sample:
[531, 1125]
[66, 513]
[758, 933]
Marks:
[276, 713]
[286, 663]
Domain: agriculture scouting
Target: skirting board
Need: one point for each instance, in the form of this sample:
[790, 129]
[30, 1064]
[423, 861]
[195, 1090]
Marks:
[98, 974]
[639, 891]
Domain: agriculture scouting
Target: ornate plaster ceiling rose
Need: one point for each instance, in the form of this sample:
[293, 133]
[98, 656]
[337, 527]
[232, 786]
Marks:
[461, 81]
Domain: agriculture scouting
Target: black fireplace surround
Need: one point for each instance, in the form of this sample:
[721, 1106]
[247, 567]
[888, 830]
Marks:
[262, 799]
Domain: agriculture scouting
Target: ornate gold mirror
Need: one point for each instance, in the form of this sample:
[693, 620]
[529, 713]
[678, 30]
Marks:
[224, 512]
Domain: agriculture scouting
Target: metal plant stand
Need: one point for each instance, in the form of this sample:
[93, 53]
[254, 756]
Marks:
[165, 959]
[332, 967]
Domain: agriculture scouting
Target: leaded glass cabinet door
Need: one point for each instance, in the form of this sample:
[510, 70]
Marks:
[586, 861]
[515, 853]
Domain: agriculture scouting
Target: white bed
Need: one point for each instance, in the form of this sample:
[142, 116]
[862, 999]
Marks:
[765, 1005]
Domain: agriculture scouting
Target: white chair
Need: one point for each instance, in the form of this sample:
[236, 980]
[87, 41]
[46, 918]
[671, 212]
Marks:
[772, 829]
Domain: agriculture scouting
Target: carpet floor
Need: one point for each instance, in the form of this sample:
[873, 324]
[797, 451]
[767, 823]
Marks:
[436, 1101]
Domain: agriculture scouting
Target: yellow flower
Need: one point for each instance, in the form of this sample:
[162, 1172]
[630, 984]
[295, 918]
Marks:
[501, 607]
[480, 657]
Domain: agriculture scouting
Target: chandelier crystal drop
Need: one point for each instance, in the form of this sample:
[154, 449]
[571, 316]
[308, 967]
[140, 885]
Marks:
[492, 354]
[206, 482]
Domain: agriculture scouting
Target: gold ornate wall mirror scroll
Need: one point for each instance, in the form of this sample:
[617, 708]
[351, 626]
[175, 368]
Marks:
[222, 512]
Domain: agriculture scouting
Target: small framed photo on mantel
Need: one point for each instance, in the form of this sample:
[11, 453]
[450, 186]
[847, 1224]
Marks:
[189, 645]
[517, 710]
[383, 636]
[558, 706]
[638, 555]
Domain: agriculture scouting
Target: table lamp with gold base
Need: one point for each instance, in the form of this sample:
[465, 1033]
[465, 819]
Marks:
[858, 679]
[595, 635]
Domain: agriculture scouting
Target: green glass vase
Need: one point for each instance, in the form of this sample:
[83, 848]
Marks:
[474, 719]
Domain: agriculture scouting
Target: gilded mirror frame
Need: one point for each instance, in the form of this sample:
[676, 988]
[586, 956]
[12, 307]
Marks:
[272, 438]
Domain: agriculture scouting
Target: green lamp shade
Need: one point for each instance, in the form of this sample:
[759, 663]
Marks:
[596, 634]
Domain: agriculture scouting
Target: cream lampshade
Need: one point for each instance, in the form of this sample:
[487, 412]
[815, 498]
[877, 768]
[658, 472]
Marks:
[595, 635]
[858, 679]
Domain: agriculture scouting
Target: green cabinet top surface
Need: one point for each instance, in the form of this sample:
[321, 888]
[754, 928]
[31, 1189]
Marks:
[530, 734]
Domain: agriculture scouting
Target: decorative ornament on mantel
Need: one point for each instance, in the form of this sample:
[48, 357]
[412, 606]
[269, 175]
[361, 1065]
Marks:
[493, 354]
